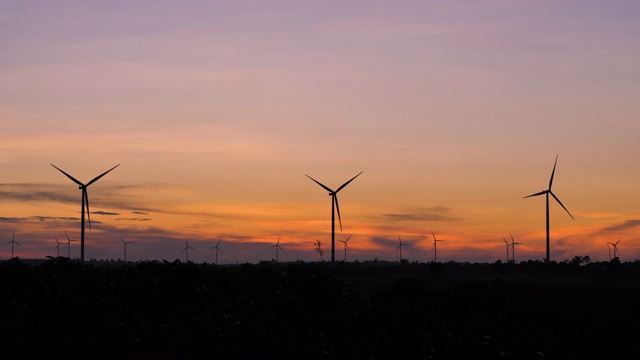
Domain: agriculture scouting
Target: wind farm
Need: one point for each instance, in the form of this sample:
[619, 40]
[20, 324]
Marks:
[184, 123]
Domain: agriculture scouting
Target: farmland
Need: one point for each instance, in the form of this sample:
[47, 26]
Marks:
[373, 309]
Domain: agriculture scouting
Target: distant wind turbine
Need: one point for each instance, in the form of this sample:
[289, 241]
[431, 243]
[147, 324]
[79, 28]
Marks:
[186, 248]
[506, 242]
[609, 247]
[68, 245]
[346, 247]
[547, 192]
[513, 249]
[125, 247]
[277, 246]
[85, 202]
[435, 247]
[334, 208]
[13, 242]
[400, 245]
[57, 245]
[615, 249]
[217, 247]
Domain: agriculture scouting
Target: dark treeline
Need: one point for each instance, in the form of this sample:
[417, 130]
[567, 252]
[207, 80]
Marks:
[359, 310]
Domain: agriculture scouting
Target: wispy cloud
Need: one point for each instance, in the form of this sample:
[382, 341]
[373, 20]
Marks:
[629, 224]
[134, 219]
[140, 212]
[36, 218]
[105, 213]
[436, 213]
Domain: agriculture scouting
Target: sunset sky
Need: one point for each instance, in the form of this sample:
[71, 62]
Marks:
[216, 111]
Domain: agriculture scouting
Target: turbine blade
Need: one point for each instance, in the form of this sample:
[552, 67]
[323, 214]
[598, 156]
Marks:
[69, 176]
[553, 172]
[319, 183]
[434, 235]
[505, 241]
[101, 175]
[350, 180]
[348, 237]
[86, 200]
[335, 198]
[559, 202]
[618, 241]
[536, 194]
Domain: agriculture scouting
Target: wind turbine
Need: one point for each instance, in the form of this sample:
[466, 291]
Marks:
[400, 245]
[506, 242]
[13, 242]
[125, 247]
[513, 249]
[615, 249]
[217, 247]
[334, 208]
[85, 202]
[609, 247]
[435, 247]
[68, 246]
[277, 246]
[547, 192]
[186, 248]
[57, 245]
[346, 247]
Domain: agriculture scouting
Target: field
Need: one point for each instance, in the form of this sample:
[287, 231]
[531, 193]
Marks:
[360, 310]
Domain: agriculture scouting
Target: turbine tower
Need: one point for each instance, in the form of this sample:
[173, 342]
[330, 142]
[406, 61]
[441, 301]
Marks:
[615, 249]
[609, 247]
[506, 242]
[334, 208]
[217, 247]
[513, 249]
[346, 247]
[435, 247]
[125, 247]
[13, 242]
[400, 245]
[85, 202]
[186, 248]
[546, 193]
[57, 245]
[68, 245]
[277, 246]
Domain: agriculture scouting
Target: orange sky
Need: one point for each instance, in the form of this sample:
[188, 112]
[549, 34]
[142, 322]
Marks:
[454, 111]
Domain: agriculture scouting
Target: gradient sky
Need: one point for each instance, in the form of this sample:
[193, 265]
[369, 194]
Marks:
[216, 110]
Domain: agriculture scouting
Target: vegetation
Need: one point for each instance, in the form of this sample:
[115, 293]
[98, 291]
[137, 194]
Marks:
[356, 310]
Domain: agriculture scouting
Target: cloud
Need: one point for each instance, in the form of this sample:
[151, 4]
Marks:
[140, 212]
[134, 219]
[629, 224]
[37, 218]
[436, 213]
[105, 213]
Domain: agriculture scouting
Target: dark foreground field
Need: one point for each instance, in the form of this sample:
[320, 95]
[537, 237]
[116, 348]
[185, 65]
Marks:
[367, 310]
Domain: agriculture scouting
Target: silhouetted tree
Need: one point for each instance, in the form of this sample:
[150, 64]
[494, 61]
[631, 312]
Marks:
[319, 248]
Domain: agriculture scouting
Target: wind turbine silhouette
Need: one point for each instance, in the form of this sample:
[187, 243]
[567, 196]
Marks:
[57, 245]
[186, 248]
[346, 247]
[400, 245]
[13, 242]
[85, 202]
[217, 247]
[615, 249]
[125, 247]
[506, 242]
[68, 246]
[435, 247]
[334, 207]
[277, 246]
[547, 192]
[513, 249]
[609, 247]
